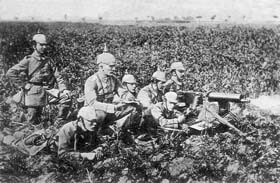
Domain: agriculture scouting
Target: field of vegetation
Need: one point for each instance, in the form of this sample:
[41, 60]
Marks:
[233, 58]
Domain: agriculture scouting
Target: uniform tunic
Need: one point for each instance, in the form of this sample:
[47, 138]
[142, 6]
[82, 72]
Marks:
[72, 141]
[164, 117]
[40, 74]
[100, 90]
[136, 109]
[148, 97]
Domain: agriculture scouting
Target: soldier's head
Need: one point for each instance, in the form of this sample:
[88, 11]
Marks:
[158, 79]
[129, 82]
[106, 63]
[39, 43]
[177, 69]
[171, 100]
[88, 120]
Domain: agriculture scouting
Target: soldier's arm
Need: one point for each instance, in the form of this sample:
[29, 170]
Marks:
[91, 97]
[144, 99]
[14, 73]
[158, 116]
[167, 86]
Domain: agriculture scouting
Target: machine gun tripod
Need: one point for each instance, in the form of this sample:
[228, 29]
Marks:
[207, 110]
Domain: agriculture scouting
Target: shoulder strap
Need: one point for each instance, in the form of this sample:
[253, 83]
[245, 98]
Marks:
[99, 80]
[37, 68]
[102, 88]
[116, 82]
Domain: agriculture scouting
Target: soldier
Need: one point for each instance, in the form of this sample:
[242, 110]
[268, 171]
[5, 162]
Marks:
[165, 114]
[149, 96]
[100, 90]
[39, 75]
[129, 83]
[78, 139]
[152, 93]
[129, 95]
[175, 83]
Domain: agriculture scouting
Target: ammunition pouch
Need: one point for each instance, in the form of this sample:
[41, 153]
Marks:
[19, 98]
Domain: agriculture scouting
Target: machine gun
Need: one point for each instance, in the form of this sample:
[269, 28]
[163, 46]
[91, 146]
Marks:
[211, 107]
[193, 99]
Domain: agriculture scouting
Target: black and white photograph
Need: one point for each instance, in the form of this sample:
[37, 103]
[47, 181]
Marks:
[139, 91]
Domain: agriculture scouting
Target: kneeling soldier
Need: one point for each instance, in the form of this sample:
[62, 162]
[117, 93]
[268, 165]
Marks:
[129, 96]
[100, 90]
[149, 96]
[152, 93]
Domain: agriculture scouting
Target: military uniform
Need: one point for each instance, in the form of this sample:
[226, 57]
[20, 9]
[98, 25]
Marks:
[99, 92]
[128, 96]
[148, 97]
[100, 89]
[165, 118]
[184, 100]
[72, 141]
[40, 76]
[136, 113]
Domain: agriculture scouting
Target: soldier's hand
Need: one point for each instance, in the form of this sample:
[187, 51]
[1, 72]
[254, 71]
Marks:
[98, 152]
[119, 106]
[89, 156]
[187, 111]
[181, 118]
[191, 111]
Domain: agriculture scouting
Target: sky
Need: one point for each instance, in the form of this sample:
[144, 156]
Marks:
[253, 10]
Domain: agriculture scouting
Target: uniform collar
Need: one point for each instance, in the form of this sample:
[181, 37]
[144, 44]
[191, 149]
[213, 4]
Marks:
[175, 80]
[36, 55]
[128, 92]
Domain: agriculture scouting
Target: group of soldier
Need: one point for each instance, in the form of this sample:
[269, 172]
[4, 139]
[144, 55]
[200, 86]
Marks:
[108, 102]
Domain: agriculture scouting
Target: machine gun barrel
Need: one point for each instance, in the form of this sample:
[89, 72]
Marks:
[217, 96]
[230, 97]
[193, 98]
